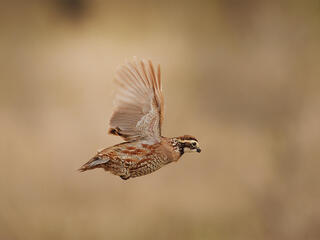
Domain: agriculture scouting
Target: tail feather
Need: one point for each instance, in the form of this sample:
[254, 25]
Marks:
[94, 162]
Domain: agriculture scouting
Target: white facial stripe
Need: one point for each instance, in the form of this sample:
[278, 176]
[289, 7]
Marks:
[189, 141]
[191, 149]
[186, 150]
[197, 144]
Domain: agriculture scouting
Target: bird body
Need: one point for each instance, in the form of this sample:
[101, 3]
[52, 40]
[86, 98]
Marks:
[137, 118]
[133, 159]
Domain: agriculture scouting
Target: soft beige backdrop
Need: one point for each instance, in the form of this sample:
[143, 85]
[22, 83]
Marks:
[242, 76]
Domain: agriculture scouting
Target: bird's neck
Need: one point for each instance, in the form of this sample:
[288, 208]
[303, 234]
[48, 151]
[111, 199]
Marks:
[177, 145]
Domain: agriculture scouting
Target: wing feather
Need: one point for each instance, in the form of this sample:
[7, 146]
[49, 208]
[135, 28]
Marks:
[139, 106]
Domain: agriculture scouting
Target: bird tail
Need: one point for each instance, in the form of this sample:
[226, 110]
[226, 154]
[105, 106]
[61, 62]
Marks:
[94, 162]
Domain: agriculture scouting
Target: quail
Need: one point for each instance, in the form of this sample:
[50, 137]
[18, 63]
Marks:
[137, 118]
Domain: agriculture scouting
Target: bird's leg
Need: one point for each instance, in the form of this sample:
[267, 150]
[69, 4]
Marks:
[125, 177]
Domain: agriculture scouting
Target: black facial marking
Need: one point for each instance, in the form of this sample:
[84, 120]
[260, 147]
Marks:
[181, 148]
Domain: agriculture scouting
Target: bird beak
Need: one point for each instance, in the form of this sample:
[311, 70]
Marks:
[198, 150]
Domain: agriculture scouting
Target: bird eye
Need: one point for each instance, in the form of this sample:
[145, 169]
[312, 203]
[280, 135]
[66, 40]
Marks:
[194, 144]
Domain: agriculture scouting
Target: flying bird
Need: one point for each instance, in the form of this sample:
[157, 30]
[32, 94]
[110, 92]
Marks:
[137, 118]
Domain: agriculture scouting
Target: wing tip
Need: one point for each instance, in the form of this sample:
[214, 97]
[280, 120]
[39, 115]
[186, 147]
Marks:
[114, 131]
[118, 132]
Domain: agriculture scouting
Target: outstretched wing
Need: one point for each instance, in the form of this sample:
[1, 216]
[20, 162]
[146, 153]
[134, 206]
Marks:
[138, 112]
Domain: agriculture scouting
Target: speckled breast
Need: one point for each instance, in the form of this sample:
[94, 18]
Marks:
[148, 165]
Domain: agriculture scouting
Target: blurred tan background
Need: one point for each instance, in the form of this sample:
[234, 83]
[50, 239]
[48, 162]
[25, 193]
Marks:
[242, 76]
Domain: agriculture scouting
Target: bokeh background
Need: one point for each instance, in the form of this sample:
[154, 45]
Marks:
[242, 76]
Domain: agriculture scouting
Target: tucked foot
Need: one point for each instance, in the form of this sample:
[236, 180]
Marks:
[125, 177]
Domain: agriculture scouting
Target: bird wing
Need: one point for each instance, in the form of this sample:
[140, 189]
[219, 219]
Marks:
[138, 112]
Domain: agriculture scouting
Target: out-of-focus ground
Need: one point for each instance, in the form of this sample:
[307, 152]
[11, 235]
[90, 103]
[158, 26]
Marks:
[242, 76]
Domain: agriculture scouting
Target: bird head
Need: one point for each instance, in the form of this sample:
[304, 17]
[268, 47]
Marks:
[188, 143]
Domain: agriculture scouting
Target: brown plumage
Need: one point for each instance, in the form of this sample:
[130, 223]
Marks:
[137, 118]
